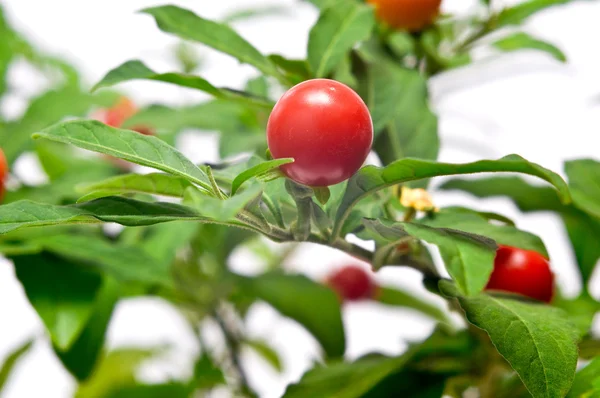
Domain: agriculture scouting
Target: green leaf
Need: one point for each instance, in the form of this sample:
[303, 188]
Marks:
[154, 183]
[82, 357]
[189, 26]
[207, 374]
[117, 370]
[345, 380]
[136, 70]
[537, 340]
[581, 227]
[399, 298]
[134, 147]
[520, 41]
[468, 258]
[297, 70]
[112, 209]
[164, 241]
[43, 111]
[584, 176]
[472, 222]
[254, 171]
[338, 29]
[267, 352]
[222, 210]
[297, 297]
[587, 381]
[171, 390]
[371, 179]
[66, 304]
[127, 263]
[517, 14]
[13, 358]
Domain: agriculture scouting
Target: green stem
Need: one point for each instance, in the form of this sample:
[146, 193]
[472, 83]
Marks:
[213, 183]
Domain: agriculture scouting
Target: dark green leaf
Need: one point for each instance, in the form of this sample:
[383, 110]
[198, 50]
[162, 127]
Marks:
[81, 358]
[136, 70]
[468, 258]
[587, 381]
[154, 183]
[522, 41]
[189, 26]
[297, 70]
[267, 352]
[472, 222]
[345, 380]
[338, 29]
[257, 170]
[66, 304]
[137, 148]
[124, 262]
[13, 358]
[207, 374]
[297, 297]
[371, 179]
[112, 209]
[537, 340]
[584, 182]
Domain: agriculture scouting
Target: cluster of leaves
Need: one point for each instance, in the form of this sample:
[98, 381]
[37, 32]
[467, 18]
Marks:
[179, 249]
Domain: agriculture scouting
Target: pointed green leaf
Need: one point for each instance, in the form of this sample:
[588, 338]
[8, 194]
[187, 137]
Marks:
[468, 258]
[338, 29]
[371, 179]
[537, 340]
[82, 357]
[66, 304]
[154, 183]
[257, 170]
[222, 210]
[189, 26]
[517, 14]
[136, 70]
[125, 144]
[12, 359]
[584, 182]
[587, 381]
[397, 297]
[472, 222]
[523, 41]
[267, 352]
[112, 209]
[297, 297]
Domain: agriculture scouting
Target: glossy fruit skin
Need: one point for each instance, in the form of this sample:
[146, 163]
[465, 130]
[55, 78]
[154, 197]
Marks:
[522, 271]
[412, 15]
[326, 127]
[352, 283]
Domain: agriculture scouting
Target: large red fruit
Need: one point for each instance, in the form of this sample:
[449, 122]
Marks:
[326, 127]
[411, 15]
[352, 283]
[522, 271]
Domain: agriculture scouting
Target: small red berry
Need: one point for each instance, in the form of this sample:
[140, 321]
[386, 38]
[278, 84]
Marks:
[118, 113]
[3, 172]
[352, 283]
[326, 127]
[524, 272]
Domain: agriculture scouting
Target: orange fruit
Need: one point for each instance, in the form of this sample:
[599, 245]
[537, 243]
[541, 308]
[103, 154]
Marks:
[412, 15]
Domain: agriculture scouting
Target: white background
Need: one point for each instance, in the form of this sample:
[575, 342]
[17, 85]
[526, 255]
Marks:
[522, 103]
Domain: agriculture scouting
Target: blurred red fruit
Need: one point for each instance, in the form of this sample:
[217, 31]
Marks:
[352, 283]
[118, 113]
[3, 172]
[522, 271]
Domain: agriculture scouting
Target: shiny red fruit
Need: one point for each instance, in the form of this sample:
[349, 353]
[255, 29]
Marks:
[522, 271]
[352, 283]
[412, 15]
[326, 127]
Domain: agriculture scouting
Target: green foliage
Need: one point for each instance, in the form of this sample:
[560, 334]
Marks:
[520, 41]
[537, 340]
[12, 360]
[587, 381]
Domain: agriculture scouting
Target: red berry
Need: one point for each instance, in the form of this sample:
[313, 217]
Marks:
[522, 271]
[326, 127]
[352, 283]
[411, 15]
[3, 172]
[121, 111]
